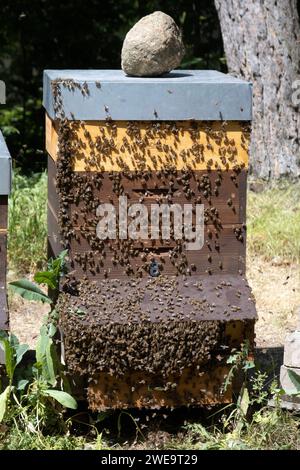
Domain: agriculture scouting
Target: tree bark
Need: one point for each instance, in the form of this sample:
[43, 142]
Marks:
[262, 44]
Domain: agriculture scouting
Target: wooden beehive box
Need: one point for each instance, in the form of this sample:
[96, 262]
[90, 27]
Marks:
[181, 139]
[5, 187]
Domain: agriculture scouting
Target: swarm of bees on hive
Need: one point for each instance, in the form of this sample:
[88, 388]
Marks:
[107, 325]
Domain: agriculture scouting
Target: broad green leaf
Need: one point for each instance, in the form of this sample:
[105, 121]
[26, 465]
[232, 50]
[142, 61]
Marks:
[50, 372]
[3, 402]
[46, 277]
[3, 334]
[290, 392]
[62, 259]
[63, 398]
[244, 403]
[43, 354]
[57, 265]
[55, 359]
[22, 384]
[20, 351]
[232, 359]
[9, 354]
[102, 415]
[248, 365]
[41, 345]
[62, 255]
[52, 329]
[13, 340]
[29, 291]
[54, 315]
[295, 379]
[46, 355]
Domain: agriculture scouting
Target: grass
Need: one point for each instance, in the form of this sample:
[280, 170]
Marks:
[273, 223]
[266, 429]
[17, 440]
[27, 223]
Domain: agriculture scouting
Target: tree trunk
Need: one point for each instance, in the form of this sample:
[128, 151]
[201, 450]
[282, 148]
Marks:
[262, 44]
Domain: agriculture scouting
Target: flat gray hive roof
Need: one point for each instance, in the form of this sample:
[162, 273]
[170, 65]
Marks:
[179, 95]
[5, 168]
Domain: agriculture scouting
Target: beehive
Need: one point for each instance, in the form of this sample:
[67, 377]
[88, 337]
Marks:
[5, 187]
[136, 339]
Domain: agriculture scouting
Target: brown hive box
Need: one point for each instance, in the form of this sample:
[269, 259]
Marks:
[147, 322]
[5, 187]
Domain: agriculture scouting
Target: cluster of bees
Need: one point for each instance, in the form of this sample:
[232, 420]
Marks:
[160, 325]
[119, 335]
[153, 391]
[112, 332]
[155, 171]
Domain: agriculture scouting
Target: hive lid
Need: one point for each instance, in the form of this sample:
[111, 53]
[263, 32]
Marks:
[5, 168]
[179, 95]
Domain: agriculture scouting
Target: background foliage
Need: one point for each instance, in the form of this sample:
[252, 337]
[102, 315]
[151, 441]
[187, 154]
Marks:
[40, 35]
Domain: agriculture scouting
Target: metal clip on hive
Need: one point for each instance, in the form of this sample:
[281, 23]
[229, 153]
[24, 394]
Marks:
[148, 323]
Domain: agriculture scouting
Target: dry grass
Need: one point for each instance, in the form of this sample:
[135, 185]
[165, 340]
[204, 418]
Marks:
[277, 293]
[273, 223]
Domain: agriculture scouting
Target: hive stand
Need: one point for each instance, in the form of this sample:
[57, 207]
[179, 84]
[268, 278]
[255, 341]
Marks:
[5, 187]
[183, 138]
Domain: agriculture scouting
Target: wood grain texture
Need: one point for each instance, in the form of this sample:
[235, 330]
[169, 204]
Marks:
[91, 189]
[95, 262]
[101, 146]
[230, 199]
[54, 239]
[139, 389]
[3, 296]
[3, 212]
[220, 297]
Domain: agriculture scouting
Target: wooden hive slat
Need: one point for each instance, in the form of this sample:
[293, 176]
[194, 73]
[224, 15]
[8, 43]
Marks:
[3, 261]
[229, 189]
[87, 133]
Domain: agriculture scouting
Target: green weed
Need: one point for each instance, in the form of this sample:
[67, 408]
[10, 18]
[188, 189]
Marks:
[31, 396]
[27, 227]
[14, 439]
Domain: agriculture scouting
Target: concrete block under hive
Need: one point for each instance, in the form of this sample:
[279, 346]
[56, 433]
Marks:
[5, 187]
[139, 338]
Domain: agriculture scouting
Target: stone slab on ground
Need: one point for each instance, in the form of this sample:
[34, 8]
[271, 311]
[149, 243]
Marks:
[291, 356]
[286, 381]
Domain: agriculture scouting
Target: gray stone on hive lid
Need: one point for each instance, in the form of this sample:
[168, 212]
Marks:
[152, 47]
